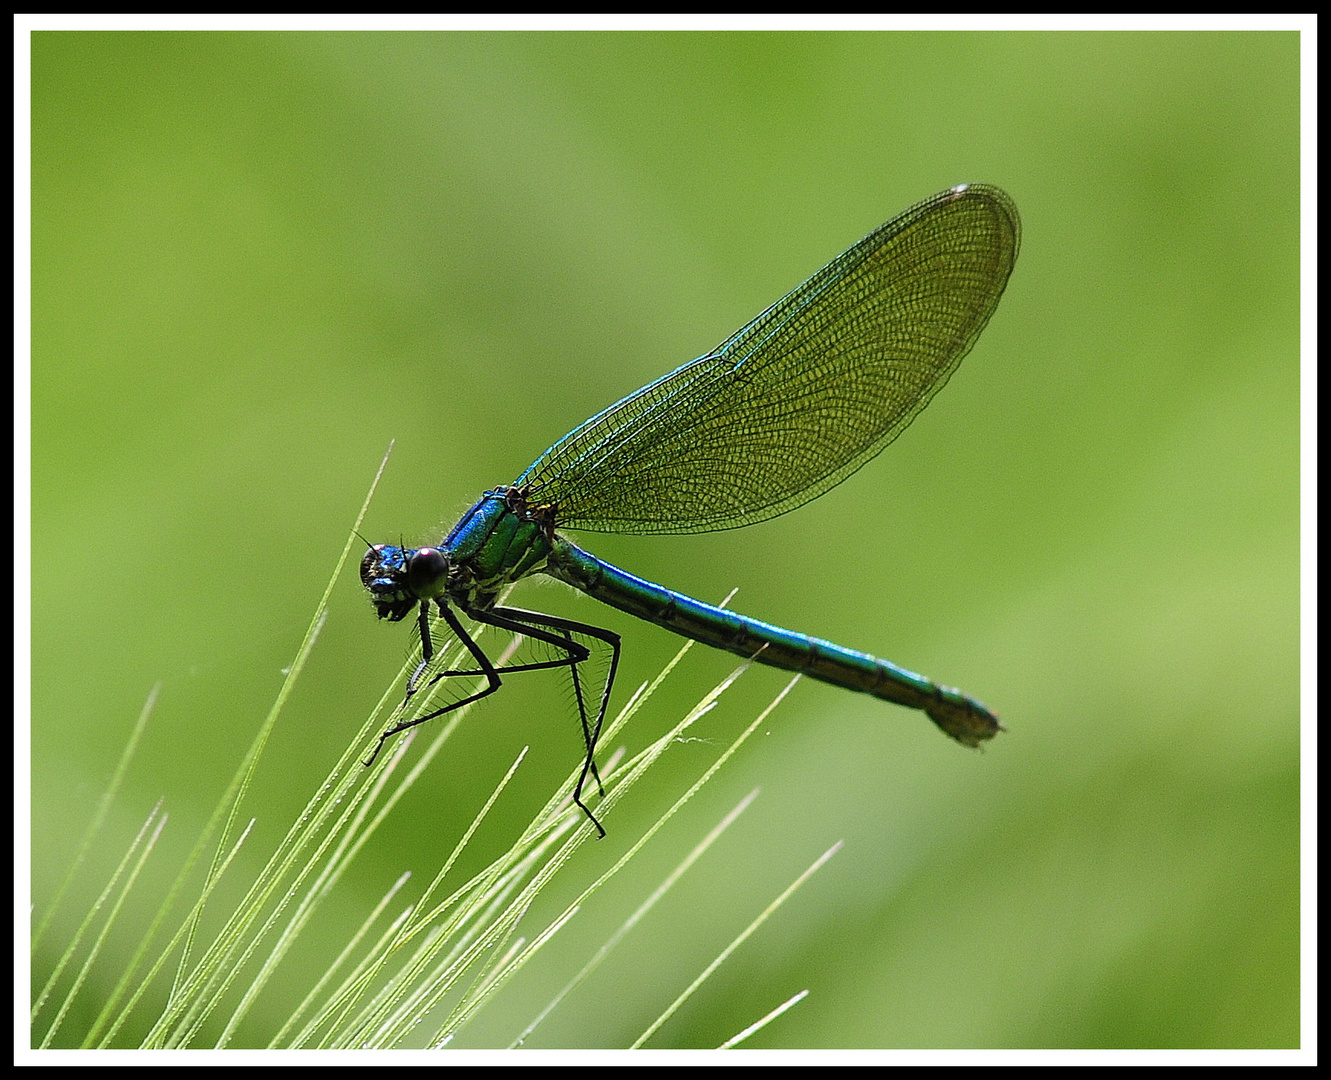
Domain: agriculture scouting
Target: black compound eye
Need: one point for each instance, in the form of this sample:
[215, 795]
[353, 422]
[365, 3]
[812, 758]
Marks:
[369, 565]
[427, 568]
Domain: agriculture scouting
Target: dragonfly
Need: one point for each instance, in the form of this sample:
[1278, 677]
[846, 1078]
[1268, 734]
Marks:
[778, 413]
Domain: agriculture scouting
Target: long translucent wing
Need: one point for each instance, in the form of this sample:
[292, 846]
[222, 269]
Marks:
[804, 395]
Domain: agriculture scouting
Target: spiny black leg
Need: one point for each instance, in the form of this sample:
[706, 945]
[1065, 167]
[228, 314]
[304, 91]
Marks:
[427, 654]
[482, 615]
[486, 668]
[427, 648]
[592, 735]
[582, 715]
[529, 624]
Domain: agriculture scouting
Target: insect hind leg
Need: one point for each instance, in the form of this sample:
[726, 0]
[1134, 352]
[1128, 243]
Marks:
[538, 624]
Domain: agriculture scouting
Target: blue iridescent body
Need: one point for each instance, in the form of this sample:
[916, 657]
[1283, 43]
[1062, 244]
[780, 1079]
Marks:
[774, 416]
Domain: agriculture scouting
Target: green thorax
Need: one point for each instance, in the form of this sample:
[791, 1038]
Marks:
[499, 540]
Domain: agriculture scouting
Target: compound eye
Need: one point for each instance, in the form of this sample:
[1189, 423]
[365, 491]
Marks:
[371, 563]
[427, 569]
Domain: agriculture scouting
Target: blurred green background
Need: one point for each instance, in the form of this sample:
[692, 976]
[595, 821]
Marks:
[259, 257]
